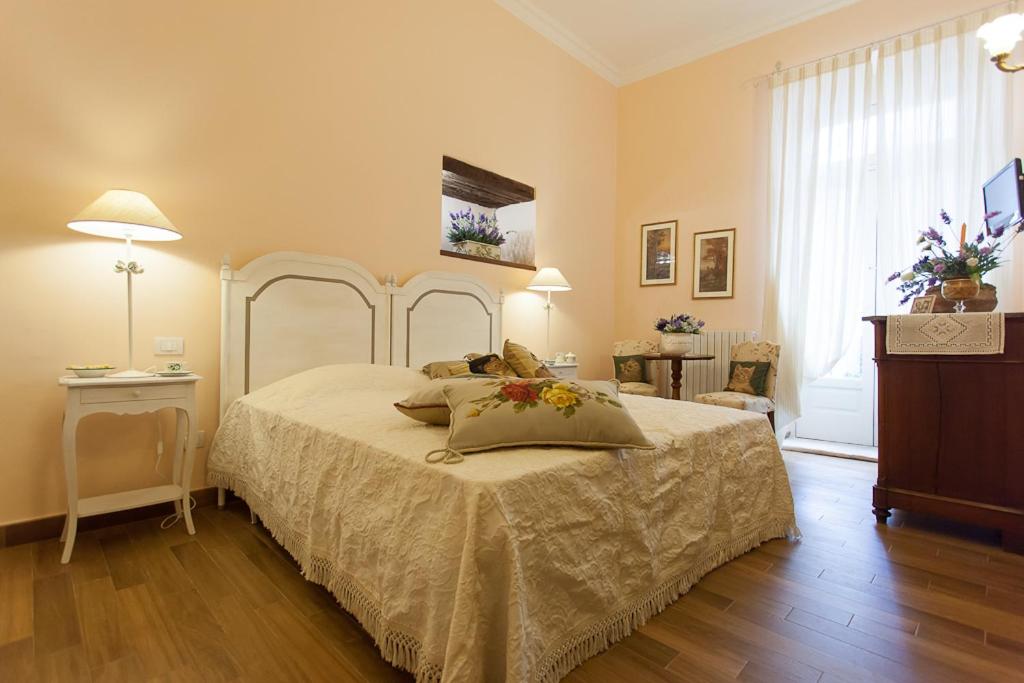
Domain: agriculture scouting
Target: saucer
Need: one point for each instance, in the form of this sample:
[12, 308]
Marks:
[173, 373]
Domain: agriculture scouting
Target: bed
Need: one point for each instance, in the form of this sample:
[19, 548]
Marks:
[514, 565]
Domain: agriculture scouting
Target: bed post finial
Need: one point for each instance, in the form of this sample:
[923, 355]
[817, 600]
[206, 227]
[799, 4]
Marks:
[225, 266]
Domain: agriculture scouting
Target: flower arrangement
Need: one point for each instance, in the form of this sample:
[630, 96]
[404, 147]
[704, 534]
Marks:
[680, 323]
[482, 228]
[564, 397]
[971, 259]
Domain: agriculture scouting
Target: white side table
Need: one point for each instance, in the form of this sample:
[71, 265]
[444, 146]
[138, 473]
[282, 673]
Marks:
[129, 396]
[563, 370]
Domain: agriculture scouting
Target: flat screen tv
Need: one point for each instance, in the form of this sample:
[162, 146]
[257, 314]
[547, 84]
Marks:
[1004, 193]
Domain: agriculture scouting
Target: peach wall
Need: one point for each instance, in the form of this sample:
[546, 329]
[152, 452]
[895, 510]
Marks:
[259, 127]
[692, 146]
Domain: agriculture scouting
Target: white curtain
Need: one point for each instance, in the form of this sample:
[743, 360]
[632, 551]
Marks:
[866, 148]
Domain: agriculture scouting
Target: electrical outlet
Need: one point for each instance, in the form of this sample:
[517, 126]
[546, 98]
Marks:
[169, 346]
[201, 439]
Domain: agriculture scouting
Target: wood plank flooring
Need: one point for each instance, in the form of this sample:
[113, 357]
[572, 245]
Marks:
[919, 600]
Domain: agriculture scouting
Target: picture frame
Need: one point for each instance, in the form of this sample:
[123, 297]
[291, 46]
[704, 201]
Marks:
[714, 264]
[923, 304]
[658, 248]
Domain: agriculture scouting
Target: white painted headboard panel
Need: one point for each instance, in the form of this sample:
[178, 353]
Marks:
[287, 312]
[443, 316]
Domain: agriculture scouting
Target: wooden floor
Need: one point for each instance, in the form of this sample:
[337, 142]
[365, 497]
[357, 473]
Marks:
[917, 601]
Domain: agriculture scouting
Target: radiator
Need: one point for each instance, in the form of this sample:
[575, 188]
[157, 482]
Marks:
[700, 377]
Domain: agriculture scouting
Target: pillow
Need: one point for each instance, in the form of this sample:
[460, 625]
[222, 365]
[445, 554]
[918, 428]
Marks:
[748, 377]
[491, 364]
[630, 368]
[523, 362]
[446, 368]
[428, 404]
[536, 412]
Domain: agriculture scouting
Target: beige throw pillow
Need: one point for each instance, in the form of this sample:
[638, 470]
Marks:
[428, 403]
[505, 412]
[446, 368]
[523, 362]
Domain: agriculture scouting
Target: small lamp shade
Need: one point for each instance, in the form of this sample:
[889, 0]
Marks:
[549, 280]
[1002, 35]
[124, 214]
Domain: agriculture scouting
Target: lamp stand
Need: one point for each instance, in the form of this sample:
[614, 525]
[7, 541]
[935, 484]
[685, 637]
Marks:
[130, 268]
[547, 343]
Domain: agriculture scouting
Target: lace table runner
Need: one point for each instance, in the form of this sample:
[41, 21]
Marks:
[952, 334]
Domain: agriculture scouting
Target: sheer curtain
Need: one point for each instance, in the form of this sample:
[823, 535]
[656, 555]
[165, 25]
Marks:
[866, 148]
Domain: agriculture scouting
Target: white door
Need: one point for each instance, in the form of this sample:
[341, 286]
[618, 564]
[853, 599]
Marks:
[840, 407]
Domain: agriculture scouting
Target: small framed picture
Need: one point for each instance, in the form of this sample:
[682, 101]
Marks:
[923, 304]
[714, 264]
[658, 254]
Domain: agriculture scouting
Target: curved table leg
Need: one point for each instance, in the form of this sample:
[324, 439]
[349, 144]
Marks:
[185, 442]
[71, 476]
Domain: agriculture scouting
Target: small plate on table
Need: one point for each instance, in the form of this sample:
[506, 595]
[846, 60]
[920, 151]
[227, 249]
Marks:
[173, 373]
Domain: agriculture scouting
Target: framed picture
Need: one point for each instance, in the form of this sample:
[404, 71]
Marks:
[714, 264]
[658, 254]
[923, 304]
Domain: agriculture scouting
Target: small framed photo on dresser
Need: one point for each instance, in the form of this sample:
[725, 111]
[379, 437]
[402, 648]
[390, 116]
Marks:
[658, 254]
[714, 256]
[923, 304]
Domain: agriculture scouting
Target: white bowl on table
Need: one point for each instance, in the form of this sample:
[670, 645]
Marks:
[88, 371]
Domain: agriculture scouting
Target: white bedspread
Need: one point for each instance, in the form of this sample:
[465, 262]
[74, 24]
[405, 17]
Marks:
[515, 565]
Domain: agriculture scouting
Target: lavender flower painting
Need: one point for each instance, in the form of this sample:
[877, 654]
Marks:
[486, 217]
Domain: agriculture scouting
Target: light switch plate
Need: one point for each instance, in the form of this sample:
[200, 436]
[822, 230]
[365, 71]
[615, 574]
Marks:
[169, 346]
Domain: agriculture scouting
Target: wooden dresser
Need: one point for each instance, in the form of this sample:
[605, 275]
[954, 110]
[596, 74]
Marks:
[951, 434]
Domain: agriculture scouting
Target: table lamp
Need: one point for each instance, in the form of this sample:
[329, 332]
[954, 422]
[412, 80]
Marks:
[133, 217]
[549, 280]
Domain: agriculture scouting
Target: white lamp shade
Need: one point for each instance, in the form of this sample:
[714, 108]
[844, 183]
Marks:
[124, 214]
[549, 280]
[1002, 35]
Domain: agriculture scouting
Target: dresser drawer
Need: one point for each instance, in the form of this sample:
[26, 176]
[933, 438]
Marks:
[122, 394]
[563, 372]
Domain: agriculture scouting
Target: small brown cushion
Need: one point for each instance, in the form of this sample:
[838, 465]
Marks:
[491, 364]
[630, 368]
[428, 404]
[523, 362]
[446, 368]
[505, 412]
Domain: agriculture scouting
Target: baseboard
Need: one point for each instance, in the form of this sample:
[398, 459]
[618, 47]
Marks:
[50, 527]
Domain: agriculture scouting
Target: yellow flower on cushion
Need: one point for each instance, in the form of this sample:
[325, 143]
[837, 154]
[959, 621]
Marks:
[473, 413]
[560, 396]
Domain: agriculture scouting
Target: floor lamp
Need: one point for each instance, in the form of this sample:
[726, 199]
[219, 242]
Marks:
[133, 217]
[549, 280]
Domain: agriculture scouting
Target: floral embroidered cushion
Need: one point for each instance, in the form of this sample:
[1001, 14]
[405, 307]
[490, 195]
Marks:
[748, 377]
[504, 412]
[490, 364]
[630, 368]
[523, 362]
[428, 404]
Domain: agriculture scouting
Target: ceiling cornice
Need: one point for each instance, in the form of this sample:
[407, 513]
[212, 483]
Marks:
[541, 22]
[713, 44]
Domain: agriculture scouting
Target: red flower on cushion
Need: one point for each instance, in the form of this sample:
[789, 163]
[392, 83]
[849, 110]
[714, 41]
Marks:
[520, 392]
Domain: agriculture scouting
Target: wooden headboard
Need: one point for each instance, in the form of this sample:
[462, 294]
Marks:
[287, 312]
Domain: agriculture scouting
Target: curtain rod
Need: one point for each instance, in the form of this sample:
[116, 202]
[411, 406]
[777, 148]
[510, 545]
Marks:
[1011, 5]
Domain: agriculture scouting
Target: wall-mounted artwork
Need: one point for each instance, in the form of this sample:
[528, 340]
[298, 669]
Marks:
[486, 217]
[714, 257]
[658, 254]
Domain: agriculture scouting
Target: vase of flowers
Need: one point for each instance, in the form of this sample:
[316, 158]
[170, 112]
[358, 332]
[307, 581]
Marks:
[956, 272]
[677, 332]
[475, 236]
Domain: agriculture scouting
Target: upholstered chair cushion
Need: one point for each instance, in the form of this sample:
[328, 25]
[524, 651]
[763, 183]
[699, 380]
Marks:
[630, 368]
[738, 400]
[634, 347]
[638, 388]
[760, 352]
[745, 376]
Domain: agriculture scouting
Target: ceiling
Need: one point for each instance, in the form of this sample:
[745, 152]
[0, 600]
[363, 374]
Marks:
[627, 40]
